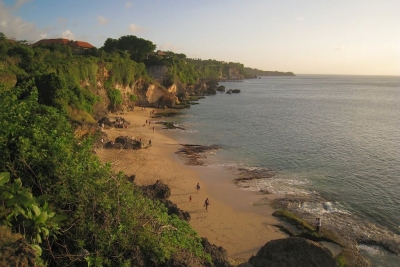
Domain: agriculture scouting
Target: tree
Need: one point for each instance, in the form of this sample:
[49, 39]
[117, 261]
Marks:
[138, 48]
[110, 45]
[49, 86]
[2, 36]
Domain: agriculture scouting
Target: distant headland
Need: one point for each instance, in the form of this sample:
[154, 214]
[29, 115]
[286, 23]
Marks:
[257, 72]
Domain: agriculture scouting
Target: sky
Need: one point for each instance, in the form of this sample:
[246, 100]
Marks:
[351, 37]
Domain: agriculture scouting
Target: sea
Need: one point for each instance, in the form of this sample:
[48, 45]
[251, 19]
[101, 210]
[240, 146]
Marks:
[333, 138]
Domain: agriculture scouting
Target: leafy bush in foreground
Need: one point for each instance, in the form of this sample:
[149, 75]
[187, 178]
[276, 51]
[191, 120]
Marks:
[106, 216]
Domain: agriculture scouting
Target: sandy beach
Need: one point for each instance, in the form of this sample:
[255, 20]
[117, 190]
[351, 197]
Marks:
[238, 220]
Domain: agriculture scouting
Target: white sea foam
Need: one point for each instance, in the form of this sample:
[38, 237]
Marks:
[275, 185]
[372, 250]
[315, 207]
[185, 116]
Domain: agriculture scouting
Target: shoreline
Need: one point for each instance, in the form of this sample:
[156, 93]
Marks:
[240, 221]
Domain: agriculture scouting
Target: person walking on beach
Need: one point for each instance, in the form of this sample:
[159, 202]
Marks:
[206, 203]
[198, 187]
[317, 224]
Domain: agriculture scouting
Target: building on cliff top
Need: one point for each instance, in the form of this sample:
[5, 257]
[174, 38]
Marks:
[161, 53]
[78, 45]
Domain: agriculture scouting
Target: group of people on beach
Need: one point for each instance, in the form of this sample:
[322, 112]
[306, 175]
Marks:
[206, 202]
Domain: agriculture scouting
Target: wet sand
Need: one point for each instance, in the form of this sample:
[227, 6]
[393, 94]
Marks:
[238, 220]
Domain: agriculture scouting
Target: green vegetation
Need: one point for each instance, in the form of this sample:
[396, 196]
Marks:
[341, 261]
[257, 72]
[103, 213]
[293, 219]
[70, 208]
[66, 80]
[190, 71]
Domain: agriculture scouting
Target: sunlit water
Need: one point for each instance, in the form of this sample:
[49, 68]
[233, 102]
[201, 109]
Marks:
[335, 136]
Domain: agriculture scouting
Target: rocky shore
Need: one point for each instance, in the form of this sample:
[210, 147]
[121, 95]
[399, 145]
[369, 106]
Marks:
[249, 234]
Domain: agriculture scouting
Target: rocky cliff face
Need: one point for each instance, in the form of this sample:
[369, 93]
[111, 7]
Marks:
[147, 94]
[158, 72]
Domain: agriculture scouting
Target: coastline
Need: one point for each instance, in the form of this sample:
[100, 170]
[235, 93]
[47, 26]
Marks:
[239, 221]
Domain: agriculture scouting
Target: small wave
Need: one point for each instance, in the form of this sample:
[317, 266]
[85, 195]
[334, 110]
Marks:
[175, 130]
[317, 207]
[185, 116]
[224, 165]
[274, 186]
[372, 250]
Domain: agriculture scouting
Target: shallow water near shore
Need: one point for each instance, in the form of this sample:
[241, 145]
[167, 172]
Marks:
[332, 141]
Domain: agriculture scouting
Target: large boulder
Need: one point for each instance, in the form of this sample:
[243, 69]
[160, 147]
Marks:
[159, 191]
[218, 254]
[221, 88]
[293, 252]
[173, 209]
[106, 121]
[128, 142]
[212, 90]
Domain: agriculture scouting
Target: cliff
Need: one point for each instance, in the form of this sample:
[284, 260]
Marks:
[256, 72]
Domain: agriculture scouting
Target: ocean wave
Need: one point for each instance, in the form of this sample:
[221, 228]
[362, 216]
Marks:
[185, 116]
[372, 250]
[317, 207]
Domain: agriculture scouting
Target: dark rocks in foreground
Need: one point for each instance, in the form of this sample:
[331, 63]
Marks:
[121, 142]
[218, 254]
[161, 192]
[118, 122]
[128, 142]
[292, 252]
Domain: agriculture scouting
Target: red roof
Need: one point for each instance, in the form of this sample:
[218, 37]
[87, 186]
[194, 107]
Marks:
[62, 41]
[161, 53]
[81, 44]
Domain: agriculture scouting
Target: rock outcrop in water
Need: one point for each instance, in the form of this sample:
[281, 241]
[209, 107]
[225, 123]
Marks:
[194, 153]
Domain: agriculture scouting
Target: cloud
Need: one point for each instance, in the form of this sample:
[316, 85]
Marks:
[128, 4]
[62, 20]
[68, 35]
[300, 18]
[13, 26]
[135, 28]
[102, 21]
[20, 3]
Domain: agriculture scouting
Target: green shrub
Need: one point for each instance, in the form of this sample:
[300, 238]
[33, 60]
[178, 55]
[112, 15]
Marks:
[105, 214]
